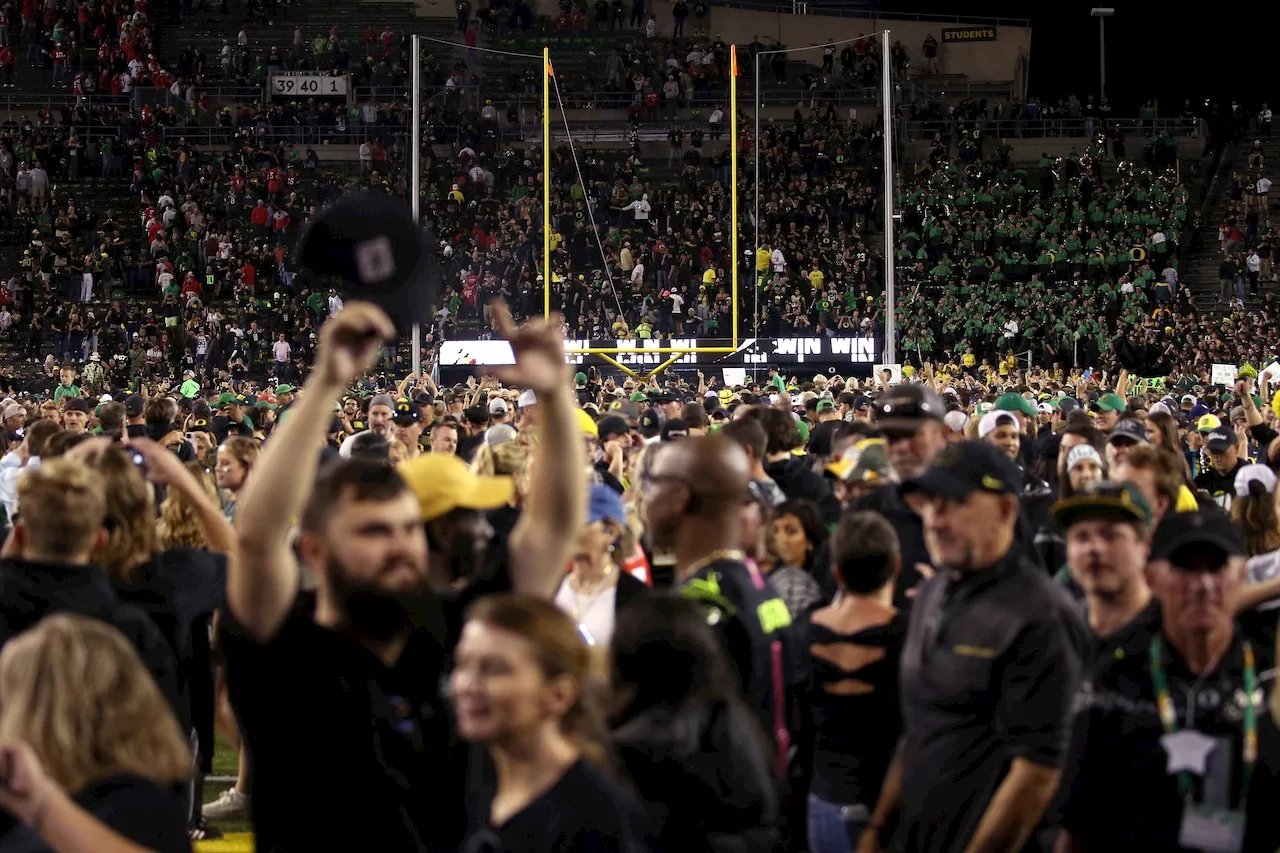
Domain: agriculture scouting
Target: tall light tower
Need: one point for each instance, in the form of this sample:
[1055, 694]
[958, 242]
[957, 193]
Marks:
[1102, 13]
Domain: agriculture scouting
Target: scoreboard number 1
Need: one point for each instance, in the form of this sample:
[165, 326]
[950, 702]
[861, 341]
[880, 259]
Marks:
[310, 86]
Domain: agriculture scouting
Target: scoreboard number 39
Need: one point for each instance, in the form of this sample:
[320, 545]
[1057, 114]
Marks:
[311, 85]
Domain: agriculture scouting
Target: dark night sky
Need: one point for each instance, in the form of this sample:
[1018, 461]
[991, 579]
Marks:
[1169, 54]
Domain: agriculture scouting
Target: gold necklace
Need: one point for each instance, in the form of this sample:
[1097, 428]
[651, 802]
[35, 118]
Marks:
[590, 597]
[718, 554]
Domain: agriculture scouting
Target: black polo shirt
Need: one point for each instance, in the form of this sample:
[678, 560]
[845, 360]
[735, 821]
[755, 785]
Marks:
[989, 669]
[1123, 798]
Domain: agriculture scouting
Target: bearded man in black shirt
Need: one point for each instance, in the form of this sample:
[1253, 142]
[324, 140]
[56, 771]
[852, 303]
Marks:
[350, 685]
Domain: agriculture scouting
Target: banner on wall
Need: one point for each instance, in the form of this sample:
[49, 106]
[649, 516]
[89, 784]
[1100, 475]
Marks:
[955, 34]
[749, 352]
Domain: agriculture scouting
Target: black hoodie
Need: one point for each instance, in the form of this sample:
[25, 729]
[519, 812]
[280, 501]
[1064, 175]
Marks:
[799, 482]
[31, 591]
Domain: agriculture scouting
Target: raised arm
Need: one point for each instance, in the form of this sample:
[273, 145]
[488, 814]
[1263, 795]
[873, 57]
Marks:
[555, 508]
[164, 469]
[263, 583]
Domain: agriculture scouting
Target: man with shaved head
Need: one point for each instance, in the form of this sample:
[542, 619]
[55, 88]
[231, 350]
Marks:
[692, 492]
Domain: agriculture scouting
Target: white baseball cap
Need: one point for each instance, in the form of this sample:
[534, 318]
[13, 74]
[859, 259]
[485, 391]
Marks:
[1254, 474]
[991, 421]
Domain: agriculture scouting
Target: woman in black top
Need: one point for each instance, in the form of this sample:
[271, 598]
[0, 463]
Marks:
[524, 691]
[89, 747]
[854, 647]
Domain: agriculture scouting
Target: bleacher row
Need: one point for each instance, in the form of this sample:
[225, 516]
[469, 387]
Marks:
[955, 240]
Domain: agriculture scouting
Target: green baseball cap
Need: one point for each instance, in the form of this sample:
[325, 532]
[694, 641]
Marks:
[1013, 402]
[1111, 403]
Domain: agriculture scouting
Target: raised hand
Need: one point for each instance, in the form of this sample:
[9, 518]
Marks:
[538, 346]
[349, 343]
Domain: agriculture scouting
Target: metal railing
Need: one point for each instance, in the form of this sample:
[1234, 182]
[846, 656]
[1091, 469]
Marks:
[1024, 128]
[856, 9]
[56, 100]
[959, 87]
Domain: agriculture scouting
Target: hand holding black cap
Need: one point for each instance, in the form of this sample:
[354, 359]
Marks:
[373, 245]
[349, 343]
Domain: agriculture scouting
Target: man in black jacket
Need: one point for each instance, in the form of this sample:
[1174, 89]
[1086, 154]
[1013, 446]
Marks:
[47, 567]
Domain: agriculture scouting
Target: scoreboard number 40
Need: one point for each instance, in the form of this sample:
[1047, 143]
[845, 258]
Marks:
[310, 86]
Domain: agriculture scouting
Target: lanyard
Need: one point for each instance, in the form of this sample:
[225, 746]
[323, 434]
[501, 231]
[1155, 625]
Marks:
[1249, 721]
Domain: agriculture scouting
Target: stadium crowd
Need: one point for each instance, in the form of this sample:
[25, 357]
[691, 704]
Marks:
[1023, 598]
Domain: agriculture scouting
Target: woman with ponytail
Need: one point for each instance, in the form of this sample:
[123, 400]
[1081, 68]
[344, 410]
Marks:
[527, 691]
[1254, 512]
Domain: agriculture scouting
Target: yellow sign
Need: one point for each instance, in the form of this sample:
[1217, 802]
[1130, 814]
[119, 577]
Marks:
[954, 34]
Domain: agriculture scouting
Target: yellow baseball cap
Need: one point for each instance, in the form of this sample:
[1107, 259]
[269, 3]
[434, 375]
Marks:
[442, 482]
[586, 425]
[1208, 423]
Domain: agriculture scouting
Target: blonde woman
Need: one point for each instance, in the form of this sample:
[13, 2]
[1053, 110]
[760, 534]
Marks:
[236, 457]
[510, 459]
[598, 587]
[179, 525]
[91, 757]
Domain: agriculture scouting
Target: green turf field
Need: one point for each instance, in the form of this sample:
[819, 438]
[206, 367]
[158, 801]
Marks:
[224, 764]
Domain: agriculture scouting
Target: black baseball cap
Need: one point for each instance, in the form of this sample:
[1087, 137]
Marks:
[1220, 439]
[674, 430]
[373, 245]
[650, 423]
[407, 412]
[1102, 500]
[1127, 430]
[1208, 527]
[964, 467]
[133, 405]
[75, 404]
[907, 406]
[611, 426]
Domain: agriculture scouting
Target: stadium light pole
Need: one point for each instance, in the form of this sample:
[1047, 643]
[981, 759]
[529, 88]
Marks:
[733, 194]
[889, 356]
[546, 181]
[415, 200]
[1102, 13]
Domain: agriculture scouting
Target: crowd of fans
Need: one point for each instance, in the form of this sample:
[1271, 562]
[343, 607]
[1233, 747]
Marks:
[1043, 569]
[1033, 573]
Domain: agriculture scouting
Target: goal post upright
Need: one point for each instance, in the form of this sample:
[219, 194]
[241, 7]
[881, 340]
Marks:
[676, 353]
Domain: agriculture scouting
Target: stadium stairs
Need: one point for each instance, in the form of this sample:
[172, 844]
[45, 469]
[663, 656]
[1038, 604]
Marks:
[1200, 269]
[107, 198]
